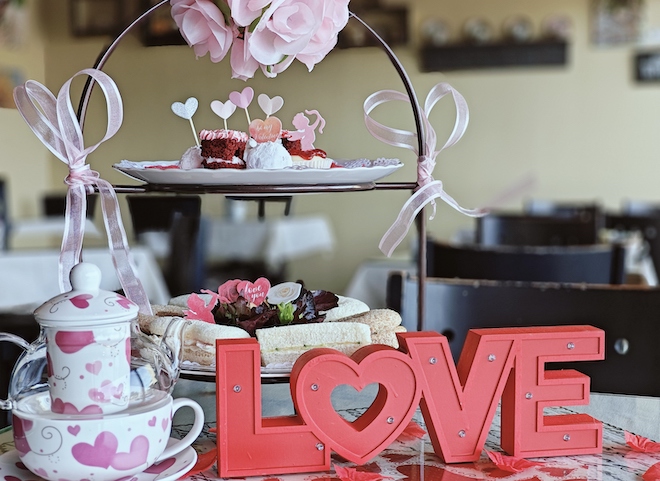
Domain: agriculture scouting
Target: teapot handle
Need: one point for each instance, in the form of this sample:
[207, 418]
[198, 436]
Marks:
[7, 404]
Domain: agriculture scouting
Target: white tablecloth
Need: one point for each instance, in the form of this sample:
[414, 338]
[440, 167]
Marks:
[46, 226]
[29, 278]
[273, 241]
[369, 282]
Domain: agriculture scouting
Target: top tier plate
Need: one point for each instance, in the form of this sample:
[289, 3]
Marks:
[165, 172]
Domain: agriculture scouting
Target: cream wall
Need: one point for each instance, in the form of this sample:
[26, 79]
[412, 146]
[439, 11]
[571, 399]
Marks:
[24, 164]
[584, 131]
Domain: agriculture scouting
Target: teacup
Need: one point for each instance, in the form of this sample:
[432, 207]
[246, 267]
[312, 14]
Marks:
[100, 448]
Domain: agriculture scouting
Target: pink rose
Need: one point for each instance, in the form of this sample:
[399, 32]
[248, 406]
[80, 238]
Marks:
[245, 12]
[228, 291]
[285, 29]
[203, 26]
[334, 20]
[243, 65]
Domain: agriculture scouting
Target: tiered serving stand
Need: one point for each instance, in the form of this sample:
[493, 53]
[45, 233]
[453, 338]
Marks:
[247, 190]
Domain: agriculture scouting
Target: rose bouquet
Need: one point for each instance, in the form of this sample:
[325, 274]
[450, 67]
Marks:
[261, 33]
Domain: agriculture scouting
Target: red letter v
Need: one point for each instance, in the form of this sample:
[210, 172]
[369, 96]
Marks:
[458, 403]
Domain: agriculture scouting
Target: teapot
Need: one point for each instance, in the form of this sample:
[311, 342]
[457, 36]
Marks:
[91, 354]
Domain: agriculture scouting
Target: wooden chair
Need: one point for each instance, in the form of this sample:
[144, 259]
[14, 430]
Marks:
[530, 230]
[179, 217]
[627, 315]
[598, 264]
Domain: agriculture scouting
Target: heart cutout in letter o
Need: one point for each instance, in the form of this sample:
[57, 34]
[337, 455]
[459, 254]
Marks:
[319, 371]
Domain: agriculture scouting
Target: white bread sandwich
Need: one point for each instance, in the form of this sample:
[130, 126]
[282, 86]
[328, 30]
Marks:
[284, 344]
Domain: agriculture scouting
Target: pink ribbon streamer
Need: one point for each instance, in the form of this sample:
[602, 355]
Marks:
[428, 188]
[54, 122]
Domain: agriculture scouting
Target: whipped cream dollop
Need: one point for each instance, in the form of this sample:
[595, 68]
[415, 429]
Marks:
[191, 159]
[266, 155]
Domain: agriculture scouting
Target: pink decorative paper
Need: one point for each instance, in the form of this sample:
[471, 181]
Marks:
[199, 310]
[352, 474]
[510, 464]
[641, 444]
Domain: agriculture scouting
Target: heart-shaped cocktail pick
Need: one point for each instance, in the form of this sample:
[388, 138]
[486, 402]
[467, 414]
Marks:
[268, 105]
[242, 100]
[223, 110]
[186, 111]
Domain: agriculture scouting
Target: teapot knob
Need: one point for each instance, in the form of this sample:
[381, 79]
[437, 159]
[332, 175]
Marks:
[85, 277]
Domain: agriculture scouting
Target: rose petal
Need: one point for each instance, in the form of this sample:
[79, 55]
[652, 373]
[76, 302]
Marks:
[653, 473]
[641, 444]
[510, 464]
[412, 431]
[352, 474]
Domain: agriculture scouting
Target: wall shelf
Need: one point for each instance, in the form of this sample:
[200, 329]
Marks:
[470, 56]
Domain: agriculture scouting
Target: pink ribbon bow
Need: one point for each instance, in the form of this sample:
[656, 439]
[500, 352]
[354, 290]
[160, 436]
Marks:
[54, 122]
[428, 188]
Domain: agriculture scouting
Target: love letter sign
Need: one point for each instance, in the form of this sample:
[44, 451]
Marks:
[458, 402]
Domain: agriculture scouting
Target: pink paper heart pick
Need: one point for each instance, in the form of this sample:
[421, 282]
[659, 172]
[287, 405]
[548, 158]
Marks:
[268, 105]
[223, 110]
[254, 293]
[242, 99]
[187, 110]
[266, 130]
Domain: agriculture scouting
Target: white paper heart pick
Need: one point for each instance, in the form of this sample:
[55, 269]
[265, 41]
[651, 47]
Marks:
[223, 110]
[187, 110]
[268, 105]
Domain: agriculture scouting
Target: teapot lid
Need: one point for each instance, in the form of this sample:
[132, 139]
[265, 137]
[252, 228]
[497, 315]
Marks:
[86, 304]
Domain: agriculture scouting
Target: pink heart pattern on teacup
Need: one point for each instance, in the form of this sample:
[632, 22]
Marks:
[152, 421]
[74, 430]
[254, 293]
[103, 453]
[94, 367]
[106, 392]
[81, 300]
[73, 341]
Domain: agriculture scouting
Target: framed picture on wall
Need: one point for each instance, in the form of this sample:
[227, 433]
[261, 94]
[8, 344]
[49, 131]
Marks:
[159, 27]
[389, 22]
[615, 22]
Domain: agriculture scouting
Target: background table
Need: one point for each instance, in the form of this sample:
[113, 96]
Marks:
[29, 278]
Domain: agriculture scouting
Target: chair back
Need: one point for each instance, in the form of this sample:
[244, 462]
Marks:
[585, 211]
[627, 315]
[54, 205]
[179, 216]
[641, 208]
[530, 230]
[596, 264]
[648, 226]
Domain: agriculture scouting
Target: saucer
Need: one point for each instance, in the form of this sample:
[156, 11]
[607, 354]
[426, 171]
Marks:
[169, 469]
